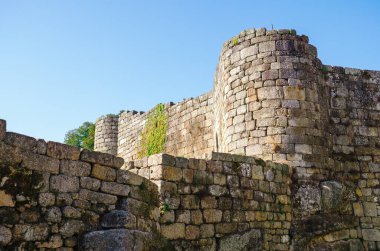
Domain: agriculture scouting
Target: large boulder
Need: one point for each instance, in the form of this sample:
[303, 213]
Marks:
[109, 240]
[249, 240]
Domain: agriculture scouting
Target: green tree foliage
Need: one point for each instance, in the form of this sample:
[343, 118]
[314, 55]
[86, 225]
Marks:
[82, 137]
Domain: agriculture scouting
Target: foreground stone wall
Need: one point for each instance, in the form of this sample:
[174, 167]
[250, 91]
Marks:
[228, 202]
[52, 194]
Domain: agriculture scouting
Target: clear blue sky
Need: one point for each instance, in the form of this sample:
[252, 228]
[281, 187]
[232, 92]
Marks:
[66, 62]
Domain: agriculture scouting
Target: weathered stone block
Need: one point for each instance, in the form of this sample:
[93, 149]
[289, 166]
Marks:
[118, 219]
[129, 178]
[249, 51]
[370, 209]
[212, 215]
[371, 234]
[5, 233]
[190, 201]
[40, 163]
[37, 232]
[71, 212]
[225, 228]
[97, 197]
[75, 168]
[103, 172]
[269, 75]
[46, 199]
[63, 183]
[192, 232]
[173, 231]
[267, 46]
[90, 183]
[217, 190]
[109, 240]
[53, 214]
[183, 216]
[250, 240]
[72, 227]
[171, 173]
[61, 151]
[115, 188]
[6, 200]
[293, 92]
[101, 158]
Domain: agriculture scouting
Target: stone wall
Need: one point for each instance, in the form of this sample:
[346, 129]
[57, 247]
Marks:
[228, 202]
[56, 196]
[189, 130]
[53, 196]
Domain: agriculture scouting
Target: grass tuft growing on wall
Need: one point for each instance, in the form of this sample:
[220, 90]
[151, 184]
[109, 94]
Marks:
[153, 136]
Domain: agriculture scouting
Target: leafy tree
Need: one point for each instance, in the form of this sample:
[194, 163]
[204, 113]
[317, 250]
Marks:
[82, 137]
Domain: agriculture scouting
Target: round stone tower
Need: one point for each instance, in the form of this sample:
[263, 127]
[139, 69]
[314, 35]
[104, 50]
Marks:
[269, 98]
[106, 132]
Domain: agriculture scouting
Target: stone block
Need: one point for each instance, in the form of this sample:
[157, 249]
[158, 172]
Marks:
[53, 214]
[40, 163]
[25, 142]
[6, 200]
[303, 148]
[37, 232]
[71, 212]
[5, 233]
[101, 158]
[103, 172]
[217, 190]
[90, 183]
[209, 202]
[267, 46]
[192, 232]
[249, 51]
[173, 231]
[46, 199]
[207, 230]
[115, 188]
[212, 215]
[250, 240]
[62, 151]
[190, 201]
[171, 173]
[129, 178]
[114, 239]
[118, 219]
[371, 234]
[188, 175]
[370, 209]
[269, 75]
[75, 168]
[183, 216]
[226, 228]
[85, 194]
[72, 227]
[63, 183]
[294, 92]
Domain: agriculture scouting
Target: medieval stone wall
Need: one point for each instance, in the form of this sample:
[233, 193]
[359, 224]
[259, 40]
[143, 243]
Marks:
[53, 196]
[228, 202]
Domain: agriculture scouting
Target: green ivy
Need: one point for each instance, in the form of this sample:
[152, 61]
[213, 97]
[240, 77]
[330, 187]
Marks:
[153, 136]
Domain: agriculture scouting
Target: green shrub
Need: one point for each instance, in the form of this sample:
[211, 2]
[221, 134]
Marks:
[153, 136]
